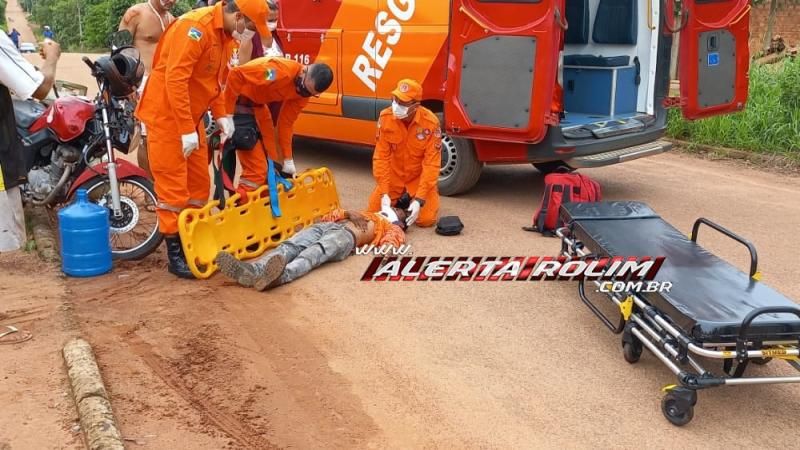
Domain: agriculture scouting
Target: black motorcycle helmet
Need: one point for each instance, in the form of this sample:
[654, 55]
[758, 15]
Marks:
[123, 71]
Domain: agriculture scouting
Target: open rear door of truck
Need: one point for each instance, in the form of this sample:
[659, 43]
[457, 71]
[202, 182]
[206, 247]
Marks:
[714, 57]
[502, 68]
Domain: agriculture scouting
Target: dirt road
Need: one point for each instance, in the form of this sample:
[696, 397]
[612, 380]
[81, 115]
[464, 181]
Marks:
[15, 18]
[37, 412]
[331, 362]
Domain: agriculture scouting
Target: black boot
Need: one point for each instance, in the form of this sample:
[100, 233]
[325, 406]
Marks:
[177, 260]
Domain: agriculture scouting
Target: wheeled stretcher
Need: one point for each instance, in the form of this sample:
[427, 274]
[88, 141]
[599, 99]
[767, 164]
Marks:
[713, 310]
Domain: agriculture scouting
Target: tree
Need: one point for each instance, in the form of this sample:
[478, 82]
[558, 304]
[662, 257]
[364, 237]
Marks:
[97, 23]
[773, 10]
[82, 25]
[774, 6]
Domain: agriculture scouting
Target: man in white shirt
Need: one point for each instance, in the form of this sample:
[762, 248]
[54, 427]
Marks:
[19, 75]
[20, 80]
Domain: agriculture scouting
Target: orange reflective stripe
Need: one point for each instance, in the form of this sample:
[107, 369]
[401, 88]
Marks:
[250, 184]
[166, 207]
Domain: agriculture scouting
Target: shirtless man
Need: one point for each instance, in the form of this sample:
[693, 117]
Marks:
[334, 238]
[146, 22]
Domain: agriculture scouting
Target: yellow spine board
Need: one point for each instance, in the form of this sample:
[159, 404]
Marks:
[626, 308]
[249, 230]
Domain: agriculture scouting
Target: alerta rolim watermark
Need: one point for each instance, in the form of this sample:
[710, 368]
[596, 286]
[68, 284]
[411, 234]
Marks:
[614, 273]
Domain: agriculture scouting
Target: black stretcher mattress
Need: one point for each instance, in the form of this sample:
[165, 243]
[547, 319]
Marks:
[709, 297]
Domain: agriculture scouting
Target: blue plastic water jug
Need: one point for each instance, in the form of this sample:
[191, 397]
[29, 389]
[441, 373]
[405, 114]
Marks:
[85, 238]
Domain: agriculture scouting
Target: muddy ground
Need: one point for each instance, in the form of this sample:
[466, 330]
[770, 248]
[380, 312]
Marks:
[332, 362]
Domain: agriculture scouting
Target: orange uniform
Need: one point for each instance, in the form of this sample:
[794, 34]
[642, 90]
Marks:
[264, 81]
[408, 159]
[188, 65]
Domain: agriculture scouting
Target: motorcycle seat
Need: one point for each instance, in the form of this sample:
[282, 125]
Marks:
[26, 112]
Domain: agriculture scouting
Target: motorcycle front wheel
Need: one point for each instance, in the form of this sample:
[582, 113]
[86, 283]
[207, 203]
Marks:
[134, 234]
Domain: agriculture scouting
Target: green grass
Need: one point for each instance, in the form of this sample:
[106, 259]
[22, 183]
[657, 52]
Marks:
[770, 123]
[30, 246]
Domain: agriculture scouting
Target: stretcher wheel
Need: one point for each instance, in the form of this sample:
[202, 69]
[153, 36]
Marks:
[761, 361]
[676, 410]
[632, 351]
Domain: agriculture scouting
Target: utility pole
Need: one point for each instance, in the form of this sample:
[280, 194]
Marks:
[80, 24]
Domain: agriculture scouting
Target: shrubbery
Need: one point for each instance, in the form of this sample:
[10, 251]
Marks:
[769, 124]
[98, 18]
[3, 14]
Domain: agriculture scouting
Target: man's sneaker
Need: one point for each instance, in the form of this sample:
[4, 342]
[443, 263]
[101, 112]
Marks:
[268, 270]
[237, 270]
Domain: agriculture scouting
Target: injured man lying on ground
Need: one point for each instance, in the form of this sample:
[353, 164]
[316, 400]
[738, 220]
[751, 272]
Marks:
[334, 238]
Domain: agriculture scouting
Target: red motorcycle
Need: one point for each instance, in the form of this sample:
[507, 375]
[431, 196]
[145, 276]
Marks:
[70, 145]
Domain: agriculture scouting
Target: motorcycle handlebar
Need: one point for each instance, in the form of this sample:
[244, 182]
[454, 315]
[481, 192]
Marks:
[88, 62]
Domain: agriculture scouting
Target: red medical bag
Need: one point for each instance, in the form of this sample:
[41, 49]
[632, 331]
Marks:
[562, 188]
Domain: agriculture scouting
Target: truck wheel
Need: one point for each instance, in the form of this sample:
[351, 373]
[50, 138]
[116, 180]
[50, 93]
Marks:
[551, 166]
[460, 167]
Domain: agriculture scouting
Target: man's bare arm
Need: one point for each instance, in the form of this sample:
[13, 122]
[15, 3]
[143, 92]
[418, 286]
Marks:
[50, 52]
[130, 21]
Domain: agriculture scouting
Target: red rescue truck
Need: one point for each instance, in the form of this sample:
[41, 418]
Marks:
[578, 82]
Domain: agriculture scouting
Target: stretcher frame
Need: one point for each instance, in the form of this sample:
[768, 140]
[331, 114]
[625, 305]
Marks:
[644, 326]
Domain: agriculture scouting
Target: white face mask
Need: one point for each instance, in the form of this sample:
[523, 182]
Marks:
[244, 36]
[272, 25]
[399, 111]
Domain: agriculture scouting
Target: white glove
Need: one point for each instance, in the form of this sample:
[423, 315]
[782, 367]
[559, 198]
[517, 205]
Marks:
[190, 142]
[226, 125]
[413, 212]
[386, 202]
[288, 167]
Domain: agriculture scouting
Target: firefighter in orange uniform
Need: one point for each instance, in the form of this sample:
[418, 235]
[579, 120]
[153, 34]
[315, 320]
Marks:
[185, 81]
[408, 155]
[263, 81]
